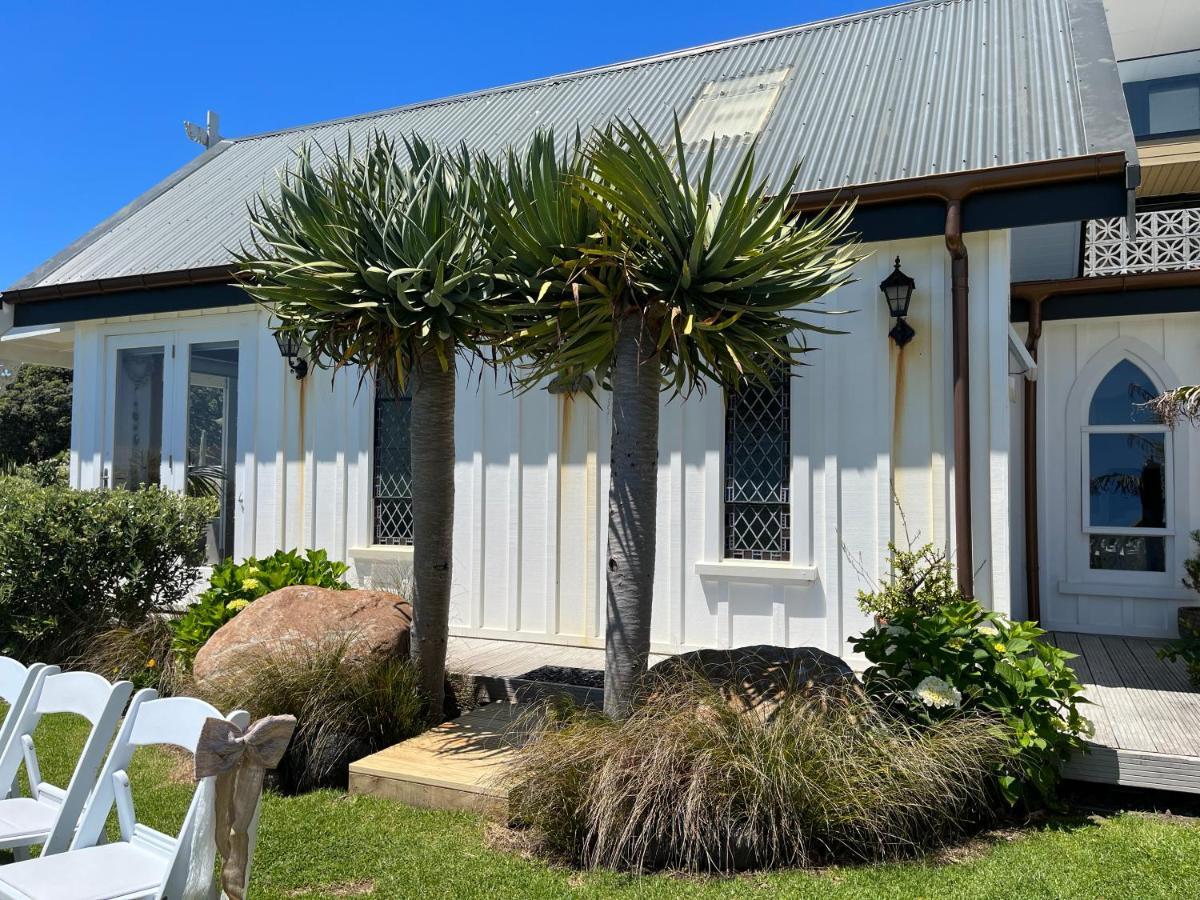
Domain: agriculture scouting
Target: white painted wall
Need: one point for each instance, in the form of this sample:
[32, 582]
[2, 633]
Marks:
[532, 472]
[1074, 356]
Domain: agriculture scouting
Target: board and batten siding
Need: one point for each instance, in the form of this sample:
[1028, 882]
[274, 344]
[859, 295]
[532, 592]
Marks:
[1074, 355]
[871, 435]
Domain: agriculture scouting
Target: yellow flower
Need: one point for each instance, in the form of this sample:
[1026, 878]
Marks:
[251, 584]
[1000, 648]
[150, 663]
[236, 605]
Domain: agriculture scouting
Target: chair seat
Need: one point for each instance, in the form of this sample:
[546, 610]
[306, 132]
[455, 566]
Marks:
[103, 872]
[24, 821]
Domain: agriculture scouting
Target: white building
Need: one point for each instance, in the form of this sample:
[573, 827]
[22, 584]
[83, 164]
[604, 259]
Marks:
[1005, 120]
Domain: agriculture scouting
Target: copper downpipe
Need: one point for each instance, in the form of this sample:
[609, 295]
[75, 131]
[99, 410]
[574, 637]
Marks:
[960, 341]
[1033, 582]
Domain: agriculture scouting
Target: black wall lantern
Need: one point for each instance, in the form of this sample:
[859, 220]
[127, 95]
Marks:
[897, 290]
[289, 349]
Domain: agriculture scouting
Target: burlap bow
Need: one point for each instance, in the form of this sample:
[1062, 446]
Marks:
[239, 759]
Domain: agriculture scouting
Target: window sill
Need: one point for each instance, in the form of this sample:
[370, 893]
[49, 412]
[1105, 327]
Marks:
[1135, 591]
[751, 570]
[394, 553]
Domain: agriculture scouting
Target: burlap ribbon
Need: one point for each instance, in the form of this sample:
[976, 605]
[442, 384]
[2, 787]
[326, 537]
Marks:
[239, 759]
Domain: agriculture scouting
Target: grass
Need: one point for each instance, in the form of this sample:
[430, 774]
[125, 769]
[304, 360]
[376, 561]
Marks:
[326, 844]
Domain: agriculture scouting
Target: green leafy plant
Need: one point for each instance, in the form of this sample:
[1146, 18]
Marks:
[1187, 646]
[76, 563]
[345, 708]
[233, 586]
[922, 580]
[35, 414]
[689, 782]
[932, 665]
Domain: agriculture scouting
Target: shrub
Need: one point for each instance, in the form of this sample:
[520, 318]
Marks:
[234, 586]
[929, 666]
[687, 782]
[922, 580]
[1191, 566]
[43, 472]
[138, 653]
[345, 708]
[35, 414]
[75, 563]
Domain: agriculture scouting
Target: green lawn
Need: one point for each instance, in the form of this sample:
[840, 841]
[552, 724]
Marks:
[327, 844]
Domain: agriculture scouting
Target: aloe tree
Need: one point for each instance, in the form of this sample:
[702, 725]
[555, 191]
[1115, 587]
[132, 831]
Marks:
[647, 279]
[1179, 403]
[374, 260]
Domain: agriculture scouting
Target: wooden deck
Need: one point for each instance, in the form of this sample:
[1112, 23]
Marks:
[1146, 715]
[1147, 721]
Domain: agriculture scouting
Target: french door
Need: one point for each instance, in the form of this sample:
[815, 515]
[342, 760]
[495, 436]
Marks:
[172, 420]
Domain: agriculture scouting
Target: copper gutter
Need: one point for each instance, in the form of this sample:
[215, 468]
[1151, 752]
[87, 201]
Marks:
[153, 280]
[1037, 293]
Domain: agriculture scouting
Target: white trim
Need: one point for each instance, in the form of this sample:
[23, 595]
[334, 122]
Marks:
[1137, 591]
[394, 553]
[752, 570]
[1017, 348]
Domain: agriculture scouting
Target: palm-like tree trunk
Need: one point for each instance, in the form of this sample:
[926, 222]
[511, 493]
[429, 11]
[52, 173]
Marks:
[432, 449]
[632, 502]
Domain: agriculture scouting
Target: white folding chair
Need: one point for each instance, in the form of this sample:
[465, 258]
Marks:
[16, 680]
[49, 814]
[143, 863]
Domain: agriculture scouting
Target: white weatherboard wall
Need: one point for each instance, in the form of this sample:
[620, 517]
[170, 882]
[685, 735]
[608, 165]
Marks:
[531, 472]
[1073, 357]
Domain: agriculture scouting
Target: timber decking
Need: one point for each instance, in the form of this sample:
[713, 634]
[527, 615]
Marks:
[1146, 716]
[453, 766]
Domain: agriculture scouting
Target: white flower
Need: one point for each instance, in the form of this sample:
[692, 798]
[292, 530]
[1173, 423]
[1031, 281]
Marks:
[937, 694]
[987, 628]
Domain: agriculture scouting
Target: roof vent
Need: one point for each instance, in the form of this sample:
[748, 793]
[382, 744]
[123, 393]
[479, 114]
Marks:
[733, 108]
[206, 136]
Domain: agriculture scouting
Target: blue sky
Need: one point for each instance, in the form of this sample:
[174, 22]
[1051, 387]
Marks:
[94, 93]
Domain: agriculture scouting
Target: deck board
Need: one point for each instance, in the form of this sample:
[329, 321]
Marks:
[1147, 717]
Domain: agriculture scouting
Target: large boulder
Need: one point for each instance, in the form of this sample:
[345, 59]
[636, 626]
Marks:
[372, 622]
[755, 679]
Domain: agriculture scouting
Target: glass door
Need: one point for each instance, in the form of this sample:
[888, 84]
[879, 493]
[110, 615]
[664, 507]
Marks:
[139, 412]
[172, 420]
[211, 446]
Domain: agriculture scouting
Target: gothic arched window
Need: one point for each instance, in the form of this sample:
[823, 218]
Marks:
[1127, 473]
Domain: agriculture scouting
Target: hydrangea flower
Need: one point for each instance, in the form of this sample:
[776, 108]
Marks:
[938, 694]
[236, 605]
[251, 584]
[987, 628]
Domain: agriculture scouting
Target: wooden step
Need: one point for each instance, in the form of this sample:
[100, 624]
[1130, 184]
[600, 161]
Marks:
[455, 766]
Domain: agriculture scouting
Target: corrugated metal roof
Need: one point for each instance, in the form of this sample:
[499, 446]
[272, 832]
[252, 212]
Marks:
[921, 89]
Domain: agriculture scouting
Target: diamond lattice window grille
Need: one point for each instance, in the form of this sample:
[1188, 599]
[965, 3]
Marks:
[391, 482]
[1166, 240]
[758, 470]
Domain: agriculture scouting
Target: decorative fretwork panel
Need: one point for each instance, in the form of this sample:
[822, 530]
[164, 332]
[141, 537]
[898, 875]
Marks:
[1166, 240]
[758, 471]
[392, 475]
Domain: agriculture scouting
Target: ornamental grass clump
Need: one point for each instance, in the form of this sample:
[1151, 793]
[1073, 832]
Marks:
[345, 707]
[689, 783]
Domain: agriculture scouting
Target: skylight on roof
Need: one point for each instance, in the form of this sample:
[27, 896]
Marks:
[733, 108]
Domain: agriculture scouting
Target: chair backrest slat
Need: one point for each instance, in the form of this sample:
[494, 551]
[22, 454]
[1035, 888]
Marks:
[16, 683]
[81, 693]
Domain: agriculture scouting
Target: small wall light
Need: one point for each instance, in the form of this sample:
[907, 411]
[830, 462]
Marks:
[897, 290]
[289, 349]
